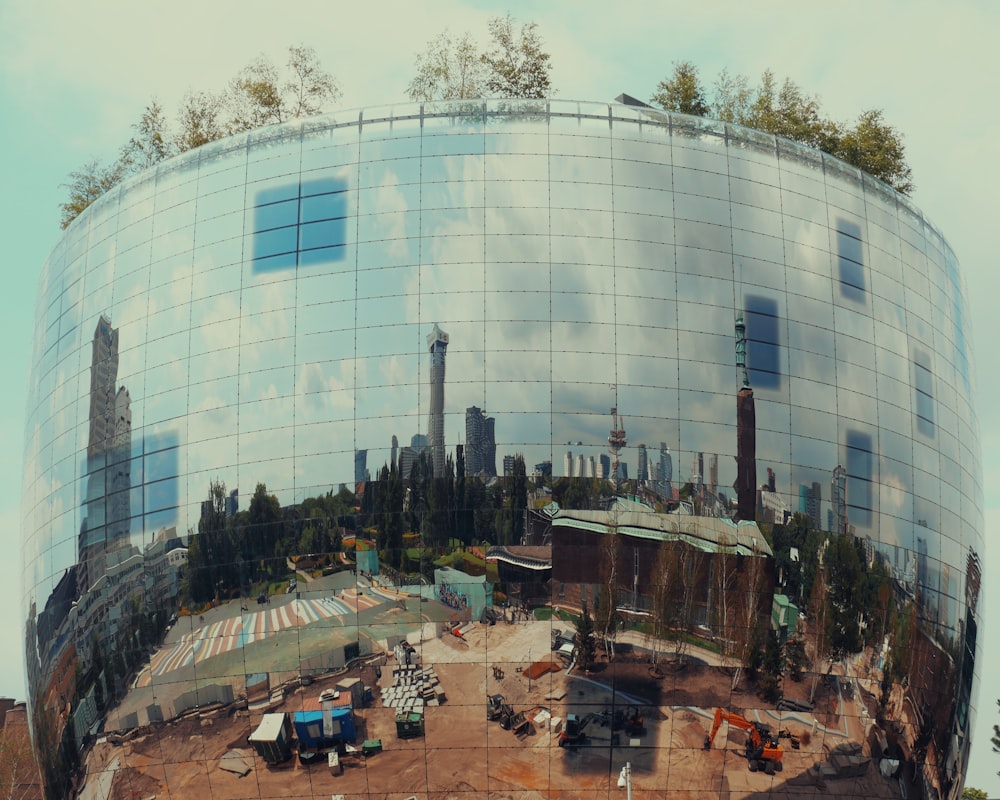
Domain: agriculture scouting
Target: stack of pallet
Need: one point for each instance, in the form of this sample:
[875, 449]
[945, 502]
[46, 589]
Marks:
[413, 688]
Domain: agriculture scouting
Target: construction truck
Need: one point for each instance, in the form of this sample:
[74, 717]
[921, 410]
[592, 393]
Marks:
[763, 751]
[499, 710]
[516, 721]
[494, 706]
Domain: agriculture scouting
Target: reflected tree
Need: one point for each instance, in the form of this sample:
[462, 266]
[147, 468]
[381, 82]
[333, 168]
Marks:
[586, 646]
[265, 528]
[750, 612]
[18, 771]
[846, 595]
[518, 489]
[606, 617]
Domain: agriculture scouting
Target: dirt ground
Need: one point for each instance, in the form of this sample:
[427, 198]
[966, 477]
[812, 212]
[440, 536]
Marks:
[462, 755]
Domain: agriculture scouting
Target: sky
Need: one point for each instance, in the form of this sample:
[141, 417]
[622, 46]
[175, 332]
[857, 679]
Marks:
[75, 76]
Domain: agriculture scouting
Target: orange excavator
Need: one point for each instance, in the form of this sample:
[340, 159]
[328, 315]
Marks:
[763, 751]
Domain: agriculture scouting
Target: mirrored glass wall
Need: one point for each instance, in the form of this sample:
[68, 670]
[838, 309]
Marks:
[526, 440]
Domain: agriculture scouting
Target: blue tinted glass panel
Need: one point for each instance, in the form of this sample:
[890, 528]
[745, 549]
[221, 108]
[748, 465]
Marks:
[923, 393]
[763, 342]
[859, 460]
[322, 186]
[275, 263]
[276, 215]
[849, 245]
[161, 495]
[323, 206]
[850, 260]
[271, 243]
[276, 194]
[310, 218]
[322, 234]
[323, 255]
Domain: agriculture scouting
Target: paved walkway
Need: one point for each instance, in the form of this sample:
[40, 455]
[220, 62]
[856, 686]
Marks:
[233, 632]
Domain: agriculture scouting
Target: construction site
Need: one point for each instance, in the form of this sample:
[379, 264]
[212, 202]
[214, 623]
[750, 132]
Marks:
[493, 711]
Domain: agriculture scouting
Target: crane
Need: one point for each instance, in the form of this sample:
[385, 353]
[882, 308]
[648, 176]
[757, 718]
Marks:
[763, 751]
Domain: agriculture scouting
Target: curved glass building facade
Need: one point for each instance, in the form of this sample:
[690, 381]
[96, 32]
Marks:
[387, 402]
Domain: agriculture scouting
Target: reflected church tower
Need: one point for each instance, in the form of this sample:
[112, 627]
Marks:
[437, 345]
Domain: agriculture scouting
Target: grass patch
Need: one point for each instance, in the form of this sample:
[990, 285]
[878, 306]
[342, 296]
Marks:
[556, 614]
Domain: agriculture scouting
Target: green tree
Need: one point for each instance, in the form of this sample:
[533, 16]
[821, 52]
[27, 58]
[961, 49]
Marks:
[518, 499]
[150, 144]
[449, 69]
[254, 97]
[785, 109]
[464, 520]
[19, 776]
[971, 793]
[85, 185]
[517, 65]
[586, 645]
[199, 120]
[876, 147]
[212, 554]
[308, 88]
[995, 738]
[682, 91]
[846, 595]
[795, 657]
[260, 94]
[392, 515]
[732, 96]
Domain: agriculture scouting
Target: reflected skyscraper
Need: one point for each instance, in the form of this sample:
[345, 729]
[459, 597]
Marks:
[810, 502]
[437, 346]
[480, 443]
[108, 484]
[746, 434]
[838, 500]
[666, 472]
[360, 466]
[642, 469]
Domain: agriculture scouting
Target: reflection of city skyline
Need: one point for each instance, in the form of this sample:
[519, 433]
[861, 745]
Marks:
[234, 375]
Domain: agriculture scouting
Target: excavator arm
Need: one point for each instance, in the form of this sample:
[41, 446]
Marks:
[762, 750]
[734, 720]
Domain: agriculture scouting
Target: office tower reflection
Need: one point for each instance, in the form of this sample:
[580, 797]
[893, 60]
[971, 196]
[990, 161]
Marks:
[437, 346]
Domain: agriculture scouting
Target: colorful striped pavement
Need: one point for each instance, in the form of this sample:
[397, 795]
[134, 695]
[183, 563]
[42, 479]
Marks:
[235, 632]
